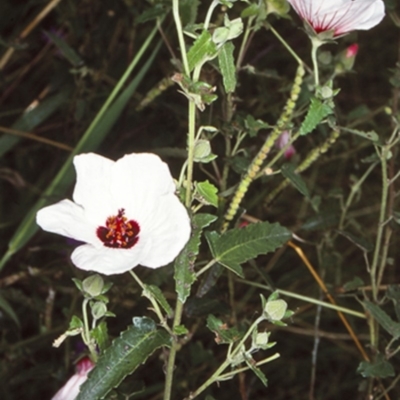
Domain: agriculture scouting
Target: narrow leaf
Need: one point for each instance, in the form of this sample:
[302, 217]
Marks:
[203, 49]
[288, 171]
[227, 66]
[260, 375]
[31, 119]
[7, 309]
[157, 294]
[123, 357]
[239, 245]
[383, 319]
[316, 113]
[184, 264]
[68, 52]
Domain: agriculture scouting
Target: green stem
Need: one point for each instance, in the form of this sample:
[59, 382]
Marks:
[86, 332]
[314, 49]
[305, 298]
[205, 268]
[290, 50]
[382, 216]
[179, 30]
[244, 43]
[156, 307]
[209, 13]
[218, 373]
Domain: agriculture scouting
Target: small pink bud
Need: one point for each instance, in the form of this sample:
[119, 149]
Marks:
[282, 141]
[352, 50]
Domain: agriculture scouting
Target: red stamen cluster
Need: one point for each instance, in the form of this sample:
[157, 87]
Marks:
[119, 233]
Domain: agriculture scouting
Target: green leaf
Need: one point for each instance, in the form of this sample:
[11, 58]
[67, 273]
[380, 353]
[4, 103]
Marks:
[208, 193]
[239, 245]
[393, 293]
[260, 375]
[181, 330]
[223, 334]
[7, 309]
[316, 113]
[91, 139]
[353, 284]
[155, 292]
[288, 171]
[100, 335]
[380, 368]
[383, 319]
[68, 52]
[227, 66]
[203, 49]
[184, 264]
[123, 357]
[159, 10]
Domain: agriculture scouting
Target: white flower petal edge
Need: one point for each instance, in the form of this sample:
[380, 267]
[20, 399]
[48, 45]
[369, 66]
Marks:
[67, 219]
[139, 184]
[342, 16]
[71, 389]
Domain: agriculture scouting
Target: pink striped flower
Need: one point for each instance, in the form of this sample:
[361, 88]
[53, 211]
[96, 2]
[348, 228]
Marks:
[71, 389]
[340, 16]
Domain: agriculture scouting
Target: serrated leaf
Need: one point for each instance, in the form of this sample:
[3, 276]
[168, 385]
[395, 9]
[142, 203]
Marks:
[380, 368]
[383, 319]
[316, 113]
[227, 67]
[370, 135]
[157, 294]
[184, 264]
[223, 334]
[203, 49]
[288, 171]
[208, 192]
[123, 357]
[242, 244]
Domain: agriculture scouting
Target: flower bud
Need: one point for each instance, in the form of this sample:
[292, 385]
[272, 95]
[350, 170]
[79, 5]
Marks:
[93, 285]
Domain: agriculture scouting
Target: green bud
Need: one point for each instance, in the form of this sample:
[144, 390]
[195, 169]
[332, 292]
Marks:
[275, 309]
[99, 309]
[93, 285]
[202, 149]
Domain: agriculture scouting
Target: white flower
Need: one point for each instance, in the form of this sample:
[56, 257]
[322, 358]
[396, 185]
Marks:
[340, 16]
[71, 389]
[125, 211]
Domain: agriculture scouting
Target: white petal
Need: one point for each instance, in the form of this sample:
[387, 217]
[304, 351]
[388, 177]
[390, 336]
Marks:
[71, 389]
[342, 16]
[168, 230]
[67, 219]
[141, 175]
[109, 261]
[92, 188]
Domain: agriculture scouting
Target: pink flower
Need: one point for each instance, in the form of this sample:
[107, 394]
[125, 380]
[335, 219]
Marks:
[125, 211]
[340, 16]
[282, 141]
[71, 389]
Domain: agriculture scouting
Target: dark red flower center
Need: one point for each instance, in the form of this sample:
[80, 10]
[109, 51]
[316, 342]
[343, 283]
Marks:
[119, 232]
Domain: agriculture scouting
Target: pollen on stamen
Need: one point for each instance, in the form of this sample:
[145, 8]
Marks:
[119, 232]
